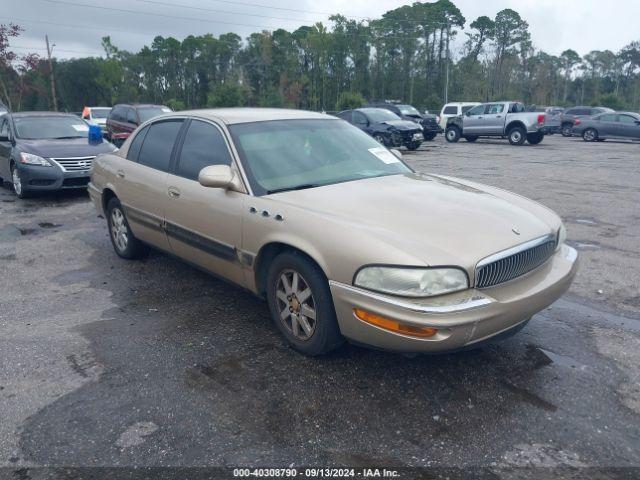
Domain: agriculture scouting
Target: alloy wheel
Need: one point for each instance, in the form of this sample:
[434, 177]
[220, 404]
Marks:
[590, 135]
[516, 136]
[296, 304]
[119, 231]
[451, 134]
[17, 182]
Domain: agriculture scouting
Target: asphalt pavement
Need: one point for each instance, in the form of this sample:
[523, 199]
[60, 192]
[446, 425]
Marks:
[107, 362]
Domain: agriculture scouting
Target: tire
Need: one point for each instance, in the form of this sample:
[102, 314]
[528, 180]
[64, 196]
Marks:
[452, 134]
[565, 130]
[590, 135]
[517, 136]
[124, 242]
[309, 293]
[380, 139]
[414, 145]
[16, 183]
[430, 136]
[471, 138]
[535, 138]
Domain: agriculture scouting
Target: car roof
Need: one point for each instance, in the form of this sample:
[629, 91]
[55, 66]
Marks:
[232, 116]
[41, 114]
[137, 105]
[453, 104]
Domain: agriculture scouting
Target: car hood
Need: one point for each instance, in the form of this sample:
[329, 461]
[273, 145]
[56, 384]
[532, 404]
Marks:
[440, 220]
[70, 147]
[402, 124]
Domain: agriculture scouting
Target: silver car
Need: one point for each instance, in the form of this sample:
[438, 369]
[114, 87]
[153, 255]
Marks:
[342, 238]
[621, 125]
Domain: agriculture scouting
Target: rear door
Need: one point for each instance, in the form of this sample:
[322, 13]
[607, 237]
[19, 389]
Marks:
[493, 123]
[204, 224]
[142, 181]
[360, 121]
[5, 148]
[607, 125]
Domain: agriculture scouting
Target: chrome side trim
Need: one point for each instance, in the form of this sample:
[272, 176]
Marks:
[477, 301]
[513, 250]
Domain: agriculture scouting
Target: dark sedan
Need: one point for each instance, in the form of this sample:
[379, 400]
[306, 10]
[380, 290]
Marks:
[429, 122]
[625, 125]
[569, 116]
[47, 151]
[386, 127]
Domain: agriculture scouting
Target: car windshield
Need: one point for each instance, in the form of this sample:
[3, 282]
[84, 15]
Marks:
[379, 115]
[100, 112]
[42, 127]
[408, 110]
[149, 113]
[292, 154]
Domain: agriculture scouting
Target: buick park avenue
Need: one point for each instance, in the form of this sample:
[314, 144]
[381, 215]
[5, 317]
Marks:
[343, 239]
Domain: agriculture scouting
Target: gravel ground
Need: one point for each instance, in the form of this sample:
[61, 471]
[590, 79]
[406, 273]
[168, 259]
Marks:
[105, 362]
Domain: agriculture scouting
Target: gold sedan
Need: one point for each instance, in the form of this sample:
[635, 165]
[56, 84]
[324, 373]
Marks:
[342, 238]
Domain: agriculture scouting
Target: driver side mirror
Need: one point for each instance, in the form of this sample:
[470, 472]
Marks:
[220, 176]
[468, 113]
[4, 138]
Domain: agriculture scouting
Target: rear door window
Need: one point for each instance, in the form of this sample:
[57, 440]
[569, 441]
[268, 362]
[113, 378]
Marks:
[359, 119]
[495, 108]
[136, 144]
[158, 144]
[607, 118]
[203, 145]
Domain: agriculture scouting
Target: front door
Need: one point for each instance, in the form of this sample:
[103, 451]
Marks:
[5, 148]
[142, 182]
[628, 126]
[472, 121]
[607, 125]
[204, 224]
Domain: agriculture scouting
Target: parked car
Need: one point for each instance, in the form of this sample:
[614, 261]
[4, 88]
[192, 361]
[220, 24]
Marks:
[568, 117]
[498, 119]
[386, 127]
[97, 116]
[46, 151]
[340, 236]
[125, 118]
[454, 109]
[428, 122]
[624, 125]
[552, 121]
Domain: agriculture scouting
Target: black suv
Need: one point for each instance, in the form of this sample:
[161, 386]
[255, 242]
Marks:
[568, 116]
[428, 122]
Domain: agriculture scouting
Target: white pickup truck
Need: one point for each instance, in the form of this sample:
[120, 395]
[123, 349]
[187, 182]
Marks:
[498, 119]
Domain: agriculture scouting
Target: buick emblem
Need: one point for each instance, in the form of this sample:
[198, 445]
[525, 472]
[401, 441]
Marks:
[515, 230]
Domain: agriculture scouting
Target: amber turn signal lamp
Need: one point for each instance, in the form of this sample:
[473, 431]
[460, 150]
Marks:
[394, 325]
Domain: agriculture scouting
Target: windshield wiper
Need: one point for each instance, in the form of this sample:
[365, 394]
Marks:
[296, 187]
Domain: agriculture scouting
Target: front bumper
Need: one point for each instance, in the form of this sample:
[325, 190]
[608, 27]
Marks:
[462, 319]
[37, 178]
[406, 138]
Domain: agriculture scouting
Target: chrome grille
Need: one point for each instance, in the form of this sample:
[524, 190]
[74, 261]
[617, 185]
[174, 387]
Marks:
[75, 164]
[512, 263]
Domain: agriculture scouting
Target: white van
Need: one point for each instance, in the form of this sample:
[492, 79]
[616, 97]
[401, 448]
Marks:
[454, 109]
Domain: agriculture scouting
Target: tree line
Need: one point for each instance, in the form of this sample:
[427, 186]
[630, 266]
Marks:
[423, 54]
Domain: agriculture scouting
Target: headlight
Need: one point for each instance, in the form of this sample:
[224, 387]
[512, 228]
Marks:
[562, 236]
[412, 282]
[31, 159]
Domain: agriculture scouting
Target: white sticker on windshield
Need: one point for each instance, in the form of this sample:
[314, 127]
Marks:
[166, 109]
[385, 155]
[81, 128]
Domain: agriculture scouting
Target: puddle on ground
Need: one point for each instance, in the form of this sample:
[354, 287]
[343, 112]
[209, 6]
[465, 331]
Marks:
[48, 225]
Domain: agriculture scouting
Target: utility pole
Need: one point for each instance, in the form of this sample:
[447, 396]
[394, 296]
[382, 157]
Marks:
[53, 81]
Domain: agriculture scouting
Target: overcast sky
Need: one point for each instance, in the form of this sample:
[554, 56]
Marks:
[555, 25]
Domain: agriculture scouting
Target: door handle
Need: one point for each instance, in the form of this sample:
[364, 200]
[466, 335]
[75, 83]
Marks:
[498, 116]
[480, 118]
[173, 192]
[120, 173]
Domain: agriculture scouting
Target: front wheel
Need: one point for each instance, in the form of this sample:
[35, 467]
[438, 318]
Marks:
[380, 139]
[534, 138]
[452, 134]
[16, 181]
[124, 242]
[517, 136]
[414, 145]
[301, 305]
[429, 136]
[590, 135]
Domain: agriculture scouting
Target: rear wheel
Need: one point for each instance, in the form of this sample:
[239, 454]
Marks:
[430, 136]
[471, 138]
[590, 135]
[566, 129]
[301, 305]
[452, 134]
[534, 138]
[517, 136]
[380, 139]
[124, 242]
